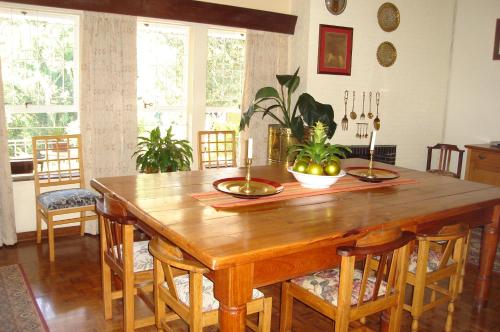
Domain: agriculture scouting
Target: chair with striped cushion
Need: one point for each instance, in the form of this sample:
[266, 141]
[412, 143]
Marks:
[181, 287]
[347, 295]
[128, 260]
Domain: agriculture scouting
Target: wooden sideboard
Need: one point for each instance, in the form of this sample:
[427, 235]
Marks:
[483, 164]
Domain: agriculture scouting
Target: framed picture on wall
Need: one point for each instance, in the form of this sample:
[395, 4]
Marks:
[334, 50]
[496, 44]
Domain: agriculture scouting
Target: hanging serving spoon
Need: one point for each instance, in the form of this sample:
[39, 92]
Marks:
[353, 114]
[376, 122]
[362, 117]
[345, 122]
[370, 114]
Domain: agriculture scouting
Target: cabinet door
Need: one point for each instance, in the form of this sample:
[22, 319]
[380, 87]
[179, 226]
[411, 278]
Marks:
[483, 166]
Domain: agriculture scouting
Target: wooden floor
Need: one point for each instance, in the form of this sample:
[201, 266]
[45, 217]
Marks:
[68, 293]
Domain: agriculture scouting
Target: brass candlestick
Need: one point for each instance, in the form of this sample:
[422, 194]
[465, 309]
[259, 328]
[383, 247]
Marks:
[370, 174]
[247, 188]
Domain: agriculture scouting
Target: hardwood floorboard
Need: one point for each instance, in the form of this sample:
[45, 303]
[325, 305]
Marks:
[69, 294]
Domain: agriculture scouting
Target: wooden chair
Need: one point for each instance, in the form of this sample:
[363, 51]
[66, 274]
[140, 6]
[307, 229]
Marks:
[428, 267]
[58, 162]
[445, 153]
[216, 149]
[179, 284]
[122, 257]
[348, 294]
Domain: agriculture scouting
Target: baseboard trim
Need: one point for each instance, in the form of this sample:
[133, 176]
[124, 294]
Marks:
[58, 232]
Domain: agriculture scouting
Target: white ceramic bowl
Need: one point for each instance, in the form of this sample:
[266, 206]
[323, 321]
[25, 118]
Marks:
[316, 181]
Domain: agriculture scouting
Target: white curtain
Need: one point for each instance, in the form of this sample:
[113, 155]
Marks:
[108, 97]
[266, 56]
[7, 218]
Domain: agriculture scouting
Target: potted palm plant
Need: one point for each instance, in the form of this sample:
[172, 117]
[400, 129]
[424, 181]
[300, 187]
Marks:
[155, 153]
[291, 118]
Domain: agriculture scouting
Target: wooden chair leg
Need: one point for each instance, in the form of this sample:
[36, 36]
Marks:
[265, 316]
[196, 302]
[106, 291]
[128, 280]
[50, 235]
[159, 304]
[82, 224]
[38, 225]
[286, 308]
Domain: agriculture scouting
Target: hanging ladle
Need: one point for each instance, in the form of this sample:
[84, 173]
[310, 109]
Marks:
[376, 122]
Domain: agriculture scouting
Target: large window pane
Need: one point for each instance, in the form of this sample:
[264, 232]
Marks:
[225, 75]
[39, 58]
[162, 64]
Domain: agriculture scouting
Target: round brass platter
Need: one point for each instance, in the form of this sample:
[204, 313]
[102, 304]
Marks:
[258, 187]
[379, 174]
[388, 17]
[336, 7]
[386, 54]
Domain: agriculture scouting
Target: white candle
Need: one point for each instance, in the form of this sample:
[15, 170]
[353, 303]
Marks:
[372, 140]
[250, 148]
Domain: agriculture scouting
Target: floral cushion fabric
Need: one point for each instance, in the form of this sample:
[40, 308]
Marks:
[325, 284]
[432, 261]
[209, 301]
[67, 198]
[143, 260]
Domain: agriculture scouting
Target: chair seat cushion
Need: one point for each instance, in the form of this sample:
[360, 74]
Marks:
[67, 198]
[325, 285]
[209, 301]
[143, 261]
[432, 261]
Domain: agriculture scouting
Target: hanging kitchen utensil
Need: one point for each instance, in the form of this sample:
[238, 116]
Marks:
[353, 114]
[370, 114]
[376, 122]
[362, 117]
[345, 122]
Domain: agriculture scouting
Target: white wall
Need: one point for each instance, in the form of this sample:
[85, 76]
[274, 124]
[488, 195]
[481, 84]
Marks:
[473, 111]
[413, 90]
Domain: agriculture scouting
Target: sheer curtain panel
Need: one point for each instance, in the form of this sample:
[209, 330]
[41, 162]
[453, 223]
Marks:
[7, 218]
[108, 95]
[266, 57]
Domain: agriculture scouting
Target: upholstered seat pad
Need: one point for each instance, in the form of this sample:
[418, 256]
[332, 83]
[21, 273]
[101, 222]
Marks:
[209, 301]
[432, 261]
[67, 198]
[325, 285]
[143, 261]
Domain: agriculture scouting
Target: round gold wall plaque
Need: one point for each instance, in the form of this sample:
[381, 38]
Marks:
[388, 17]
[336, 7]
[386, 54]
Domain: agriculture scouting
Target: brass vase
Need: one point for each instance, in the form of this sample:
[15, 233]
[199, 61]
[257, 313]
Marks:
[278, 140]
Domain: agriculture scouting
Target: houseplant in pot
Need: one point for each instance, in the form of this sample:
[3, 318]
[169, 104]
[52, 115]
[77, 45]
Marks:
[291, 118]
[155, 153]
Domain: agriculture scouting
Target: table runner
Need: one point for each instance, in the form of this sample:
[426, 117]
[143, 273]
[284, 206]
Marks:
[292, 190]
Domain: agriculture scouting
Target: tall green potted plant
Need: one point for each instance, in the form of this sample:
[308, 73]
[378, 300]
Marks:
[155, 153]
[291, 118]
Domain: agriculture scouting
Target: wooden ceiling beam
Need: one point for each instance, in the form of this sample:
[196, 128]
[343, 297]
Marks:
[182, 10]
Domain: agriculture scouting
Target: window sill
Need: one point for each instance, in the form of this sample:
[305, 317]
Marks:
[22, 177]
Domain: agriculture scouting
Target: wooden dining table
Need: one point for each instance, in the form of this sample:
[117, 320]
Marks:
[261, 244]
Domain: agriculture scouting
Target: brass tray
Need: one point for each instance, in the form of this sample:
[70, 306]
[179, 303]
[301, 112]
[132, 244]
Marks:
[380, 174]
[386, 54]
[388, 17]
[259, 187]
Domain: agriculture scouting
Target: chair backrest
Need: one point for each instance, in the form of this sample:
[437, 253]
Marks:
[384, 255]
[216, 149]
[445, 153]
[57, 161]
[453, 235]
[116, 226]
[174, 263]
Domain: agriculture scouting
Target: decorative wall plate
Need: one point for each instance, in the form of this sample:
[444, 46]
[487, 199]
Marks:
[386, 54]
[336, 7]
[388, 17]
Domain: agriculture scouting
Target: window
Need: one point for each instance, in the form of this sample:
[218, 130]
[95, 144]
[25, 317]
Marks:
[40, 73]
[225, 75]
[162, 67]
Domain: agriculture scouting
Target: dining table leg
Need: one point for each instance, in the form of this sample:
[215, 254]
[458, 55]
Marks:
[489, 243]
[233, 289]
